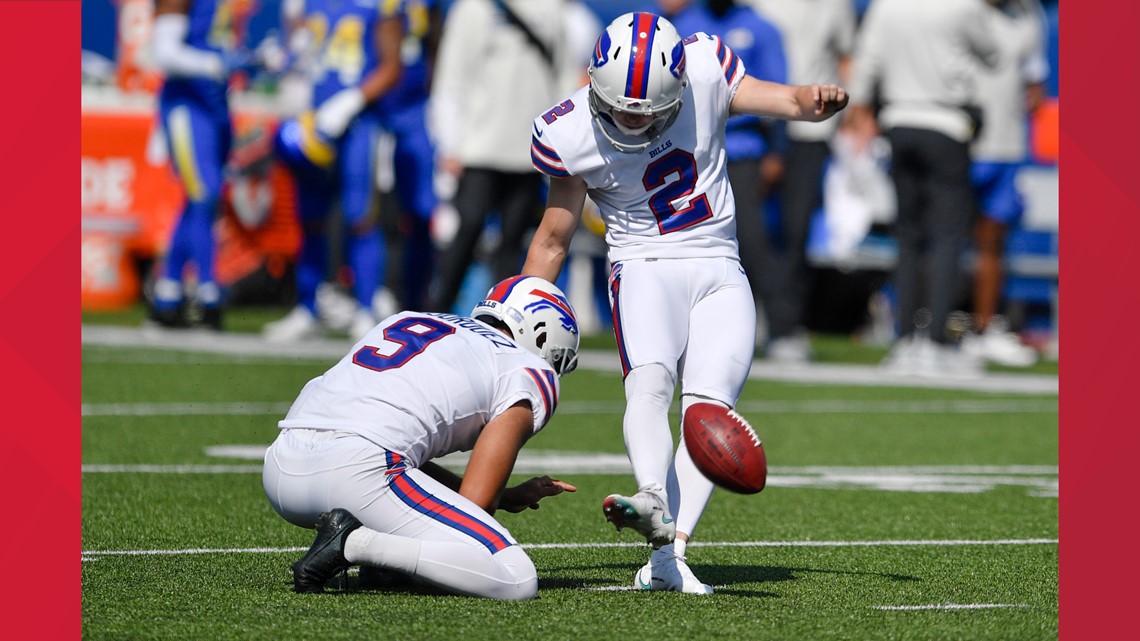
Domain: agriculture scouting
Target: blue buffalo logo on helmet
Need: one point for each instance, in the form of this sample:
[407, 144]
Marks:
[556, 302]
[301, 147]
[677, 67]
[539, 317]
[602, 50]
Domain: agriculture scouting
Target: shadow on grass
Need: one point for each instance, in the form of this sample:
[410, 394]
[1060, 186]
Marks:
[730, 578]
[733, 574]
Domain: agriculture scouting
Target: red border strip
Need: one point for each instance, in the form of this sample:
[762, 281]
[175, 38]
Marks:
[39, 335]
[1100, 212]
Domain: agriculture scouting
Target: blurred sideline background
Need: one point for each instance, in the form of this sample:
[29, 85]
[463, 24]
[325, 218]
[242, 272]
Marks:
[130, 200]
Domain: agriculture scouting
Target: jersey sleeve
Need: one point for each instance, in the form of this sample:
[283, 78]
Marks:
[538, 386]
[562, 137]
[730, 64]
[542, 153]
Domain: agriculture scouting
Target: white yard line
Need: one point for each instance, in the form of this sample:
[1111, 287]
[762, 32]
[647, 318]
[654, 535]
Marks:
[91, 554]
[566, 460]
[1038, 480]
[172, 469]
[950, 606]
[183, 409]
[255, 347]
[982, 406]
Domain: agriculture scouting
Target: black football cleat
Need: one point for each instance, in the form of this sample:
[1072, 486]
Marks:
[326, 556]
[170, 318]
[212, 318]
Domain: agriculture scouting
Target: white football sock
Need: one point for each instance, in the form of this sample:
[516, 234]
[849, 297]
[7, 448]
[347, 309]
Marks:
[648, 441]
[679, 546]
[370, 547]
[167, 290]
[689, 490]
[209, 293]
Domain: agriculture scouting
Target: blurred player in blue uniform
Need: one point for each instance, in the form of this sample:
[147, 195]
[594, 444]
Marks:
[404, 116]
[332, 149]
[755, 147]
[197, 45]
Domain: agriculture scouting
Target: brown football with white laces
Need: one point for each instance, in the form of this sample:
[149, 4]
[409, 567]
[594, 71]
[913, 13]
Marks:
[725, 448]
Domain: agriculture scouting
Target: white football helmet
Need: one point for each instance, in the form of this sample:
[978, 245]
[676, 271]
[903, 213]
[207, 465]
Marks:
[540, 317]
[638, 67]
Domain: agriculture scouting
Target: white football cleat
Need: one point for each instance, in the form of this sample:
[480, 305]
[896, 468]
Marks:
[298, 324]
[789, 350]
[999, 346]
[901, 358]
[919, 356]
[668, 571]
[335, 309]
[385, 303]
[362, 322]
[645, 512]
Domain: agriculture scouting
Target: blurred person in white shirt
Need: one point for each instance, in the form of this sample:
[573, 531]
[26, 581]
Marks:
[1007, 94]
[819, 36]
[492, 74]
[922, 61]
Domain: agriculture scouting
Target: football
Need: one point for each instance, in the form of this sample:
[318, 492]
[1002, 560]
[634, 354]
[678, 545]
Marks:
[725, 448]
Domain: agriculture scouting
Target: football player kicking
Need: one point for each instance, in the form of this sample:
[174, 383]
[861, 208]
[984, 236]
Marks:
[355, 449]
[646, 140]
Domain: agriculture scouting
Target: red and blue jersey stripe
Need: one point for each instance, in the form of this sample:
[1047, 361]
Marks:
[395, 462]
[637, 78]
[546, 159]
[615, 312]
[544, 380]
[411, 494]
[729, 61]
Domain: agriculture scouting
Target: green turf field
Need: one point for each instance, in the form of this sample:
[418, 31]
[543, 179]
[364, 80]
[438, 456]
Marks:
[890, 513]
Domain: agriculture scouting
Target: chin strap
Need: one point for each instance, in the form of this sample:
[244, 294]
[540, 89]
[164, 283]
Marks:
[631, 132]
[611, 129]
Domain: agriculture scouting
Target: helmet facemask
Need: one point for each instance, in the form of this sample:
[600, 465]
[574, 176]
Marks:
[631, 141]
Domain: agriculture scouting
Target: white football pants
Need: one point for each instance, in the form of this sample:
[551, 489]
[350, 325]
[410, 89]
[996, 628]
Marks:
[692, 319]
[412, 523]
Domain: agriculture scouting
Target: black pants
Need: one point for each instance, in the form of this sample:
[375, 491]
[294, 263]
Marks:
[931, 172]
[777, 267]
[517, 198]
[801, 195]
[751, 233]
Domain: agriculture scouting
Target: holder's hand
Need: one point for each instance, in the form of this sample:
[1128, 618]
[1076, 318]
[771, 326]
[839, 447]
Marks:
[528, 493]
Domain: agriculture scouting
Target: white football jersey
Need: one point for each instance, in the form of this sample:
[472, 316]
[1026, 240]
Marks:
[424, 385]
[673, 199]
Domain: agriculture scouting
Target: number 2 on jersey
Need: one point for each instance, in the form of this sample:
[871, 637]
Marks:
[413, 335]
[560, 110]
[669, 218]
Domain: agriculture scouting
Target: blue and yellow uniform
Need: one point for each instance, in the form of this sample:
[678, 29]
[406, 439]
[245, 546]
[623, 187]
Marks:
[196, 121]
[344, 33]
[403, 114]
